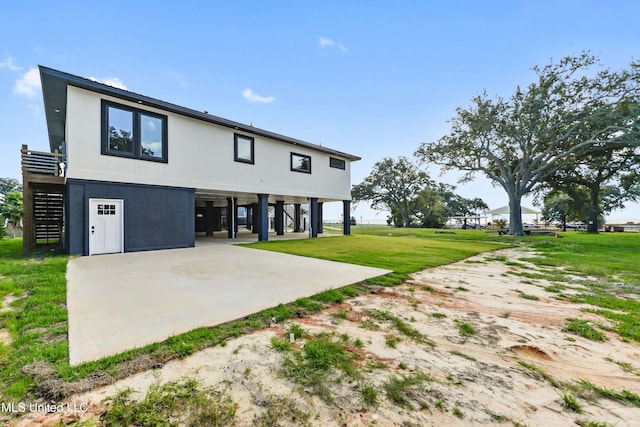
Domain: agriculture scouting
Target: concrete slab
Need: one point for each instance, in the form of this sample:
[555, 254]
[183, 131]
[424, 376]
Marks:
[122, 301]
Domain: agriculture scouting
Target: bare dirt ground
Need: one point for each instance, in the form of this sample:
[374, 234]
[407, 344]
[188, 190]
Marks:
[474, 380]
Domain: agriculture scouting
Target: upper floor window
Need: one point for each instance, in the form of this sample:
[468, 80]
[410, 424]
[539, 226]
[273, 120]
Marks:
[243, 150]
[337, 163]
[300, 163]
[129, 132]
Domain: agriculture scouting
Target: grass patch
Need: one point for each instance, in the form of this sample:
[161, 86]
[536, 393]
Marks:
[583, 328]
[526, 296]
[401, 389]
[591, 423]
[556, 288]
[369, 395]
[319, 363]
[626, 366]
[281, 411]
[392, 341]
[438, 315]
[463, 355]
[403, 327]
[623, 396]
[172, 404]
[540, 373]
[329, 296]
[307, 305]
[465, 329]
[569, 401]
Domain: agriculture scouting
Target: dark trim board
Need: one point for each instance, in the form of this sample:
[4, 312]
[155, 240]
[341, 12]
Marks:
[155, 217]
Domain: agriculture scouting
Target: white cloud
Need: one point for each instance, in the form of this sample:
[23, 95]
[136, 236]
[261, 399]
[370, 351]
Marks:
[29, 84]
[110, 81]
[180, 79]
[325, 42]
[251, 96]
[9, 64]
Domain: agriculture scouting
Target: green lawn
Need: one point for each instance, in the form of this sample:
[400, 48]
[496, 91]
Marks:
[403, 255]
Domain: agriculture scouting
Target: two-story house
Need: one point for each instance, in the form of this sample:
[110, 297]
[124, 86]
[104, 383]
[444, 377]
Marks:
[128, 172]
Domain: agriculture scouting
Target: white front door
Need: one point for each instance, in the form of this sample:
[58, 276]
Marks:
[105, 226]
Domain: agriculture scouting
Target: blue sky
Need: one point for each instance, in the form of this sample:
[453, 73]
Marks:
[372, 78]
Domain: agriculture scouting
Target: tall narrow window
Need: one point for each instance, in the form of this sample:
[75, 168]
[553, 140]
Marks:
[243, 149]
[300, 163]
[120, 131]
[129, 132]
[151, 136]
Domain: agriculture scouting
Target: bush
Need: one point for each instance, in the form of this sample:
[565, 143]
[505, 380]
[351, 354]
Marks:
[3, 231]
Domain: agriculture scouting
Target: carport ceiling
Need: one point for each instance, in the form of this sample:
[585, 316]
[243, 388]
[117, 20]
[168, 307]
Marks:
[219, 198]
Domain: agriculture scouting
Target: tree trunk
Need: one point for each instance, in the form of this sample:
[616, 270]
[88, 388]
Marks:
[404, 211]
[594, 209]
[515, 215]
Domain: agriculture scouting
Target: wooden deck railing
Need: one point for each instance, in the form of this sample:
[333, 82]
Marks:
[42, 163]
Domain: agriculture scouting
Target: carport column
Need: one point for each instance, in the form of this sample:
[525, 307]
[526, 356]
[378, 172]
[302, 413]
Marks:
[249, 211]
[254, 218]
[313, 221]
[346, 214]
[320, 220]
[232, 217]
[296, 217]
[263, 217]
[279, 217]
[209, 218]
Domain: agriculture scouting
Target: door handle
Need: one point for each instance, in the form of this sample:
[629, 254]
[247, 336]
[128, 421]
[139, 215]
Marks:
[93, 229]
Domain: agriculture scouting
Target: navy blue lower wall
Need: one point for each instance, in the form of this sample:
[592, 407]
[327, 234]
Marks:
[154, 217]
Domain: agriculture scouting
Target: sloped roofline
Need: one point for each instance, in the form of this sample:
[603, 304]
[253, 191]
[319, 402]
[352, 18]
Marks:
[54, 93]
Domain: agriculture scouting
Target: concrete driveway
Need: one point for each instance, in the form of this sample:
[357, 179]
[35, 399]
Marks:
[122, 301]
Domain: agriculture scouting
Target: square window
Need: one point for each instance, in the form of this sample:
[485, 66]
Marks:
[243, 149]
[300, 163]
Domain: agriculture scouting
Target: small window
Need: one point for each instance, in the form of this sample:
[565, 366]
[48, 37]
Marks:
[243, 149]
[300, 163]
[337, 163]
[129, 132]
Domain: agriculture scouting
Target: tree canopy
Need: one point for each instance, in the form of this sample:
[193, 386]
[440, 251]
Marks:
[11, 209]
[411, 197]
[518, 143]
[9, 185]
[392, 185]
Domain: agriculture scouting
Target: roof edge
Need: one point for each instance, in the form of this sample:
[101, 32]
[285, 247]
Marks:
[46, 74]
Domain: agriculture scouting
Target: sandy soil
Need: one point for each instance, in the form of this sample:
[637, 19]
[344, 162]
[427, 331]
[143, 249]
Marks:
[481, 378]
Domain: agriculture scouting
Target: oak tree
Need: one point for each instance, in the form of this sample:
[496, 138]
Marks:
[519, 142]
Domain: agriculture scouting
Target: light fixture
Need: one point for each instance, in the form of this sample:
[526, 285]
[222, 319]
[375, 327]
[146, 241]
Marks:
[57, 110]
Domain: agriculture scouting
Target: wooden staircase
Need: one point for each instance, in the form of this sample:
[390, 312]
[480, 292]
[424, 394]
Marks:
[48, 216]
